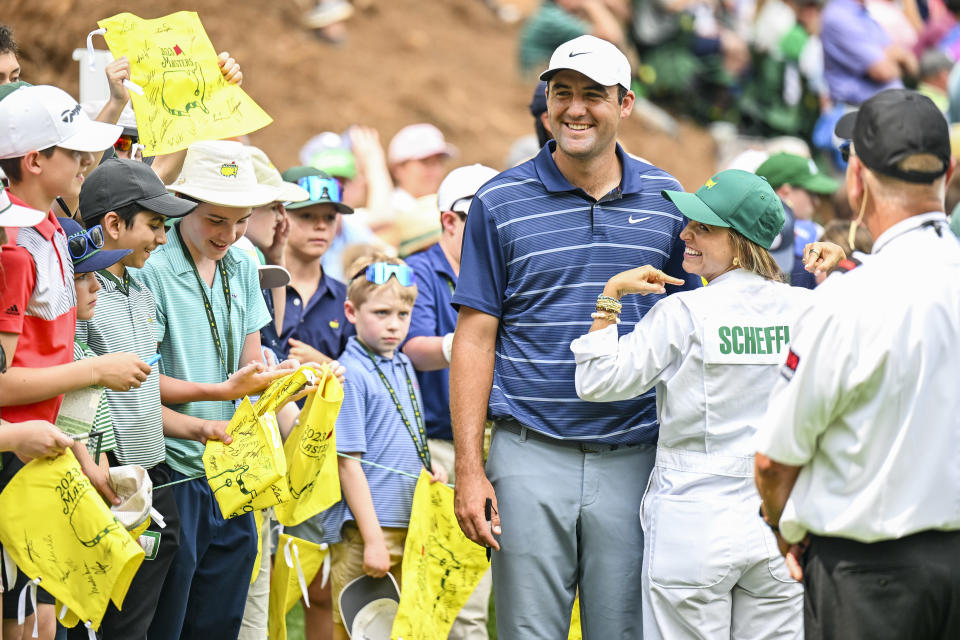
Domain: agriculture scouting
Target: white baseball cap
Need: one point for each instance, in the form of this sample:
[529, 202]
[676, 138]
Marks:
[418, 141]
[13, 215]
[597, 59]
[458, 188]
[39, 117]
[268, 174]
[221, 172]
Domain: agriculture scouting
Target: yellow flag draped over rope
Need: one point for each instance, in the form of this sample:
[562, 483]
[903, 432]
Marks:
[243, 473]
[441, 567]
[57, 528]
[295, 565]
[311, 452]
[185, 97]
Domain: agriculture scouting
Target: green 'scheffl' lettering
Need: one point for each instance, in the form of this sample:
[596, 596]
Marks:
[753, 340]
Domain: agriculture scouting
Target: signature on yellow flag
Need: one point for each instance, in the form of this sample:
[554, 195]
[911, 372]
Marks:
[57, 528]
[441, 567]
[185, 96]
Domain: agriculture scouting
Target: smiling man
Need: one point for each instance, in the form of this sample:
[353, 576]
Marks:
[564, 477]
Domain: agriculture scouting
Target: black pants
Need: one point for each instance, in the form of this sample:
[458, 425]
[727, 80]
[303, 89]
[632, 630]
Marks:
[907, 588]
[132, 622]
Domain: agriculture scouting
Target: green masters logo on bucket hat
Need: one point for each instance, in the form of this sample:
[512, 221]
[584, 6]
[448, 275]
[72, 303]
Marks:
[797, 171]
[735, 199]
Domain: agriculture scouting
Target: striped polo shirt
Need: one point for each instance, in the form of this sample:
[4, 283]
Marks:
[186, 344]
[126, 322]
[370, 424]
[102, 419]
[46, 314]
[537, 252]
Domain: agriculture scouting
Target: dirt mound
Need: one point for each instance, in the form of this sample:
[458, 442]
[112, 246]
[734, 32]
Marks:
[450, 62]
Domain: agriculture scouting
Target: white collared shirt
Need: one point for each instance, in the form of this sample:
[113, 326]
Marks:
[712, 353]
[868, 404]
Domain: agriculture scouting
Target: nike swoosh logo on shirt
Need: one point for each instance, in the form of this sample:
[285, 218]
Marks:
[632, 221]
[573, 55]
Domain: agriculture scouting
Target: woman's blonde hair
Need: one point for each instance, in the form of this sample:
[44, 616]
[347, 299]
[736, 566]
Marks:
[359, 288]
[752, 257]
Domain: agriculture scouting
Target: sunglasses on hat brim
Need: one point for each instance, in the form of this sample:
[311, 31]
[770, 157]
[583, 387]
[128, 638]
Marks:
[380, 272]
[321, 189]
[89, 240]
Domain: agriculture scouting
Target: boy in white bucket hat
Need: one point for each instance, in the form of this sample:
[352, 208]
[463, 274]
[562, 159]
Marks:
[209, 315]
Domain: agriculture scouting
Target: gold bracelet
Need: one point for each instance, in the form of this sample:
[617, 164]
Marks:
[606, 303]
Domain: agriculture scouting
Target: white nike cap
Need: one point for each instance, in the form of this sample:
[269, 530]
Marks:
[458, 188]
[597, 59]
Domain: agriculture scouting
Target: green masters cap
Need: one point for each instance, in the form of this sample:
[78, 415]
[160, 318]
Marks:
[10, 87]
[339, 163]
[797, 171]
[737, 199]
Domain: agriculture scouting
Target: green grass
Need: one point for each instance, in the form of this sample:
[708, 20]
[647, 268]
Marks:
[295, 622]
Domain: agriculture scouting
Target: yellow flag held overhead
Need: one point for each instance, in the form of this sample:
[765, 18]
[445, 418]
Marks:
[185, 98]
[311, 452]
[244, 475]
[295, 565]
[441, 567]
[57, 528]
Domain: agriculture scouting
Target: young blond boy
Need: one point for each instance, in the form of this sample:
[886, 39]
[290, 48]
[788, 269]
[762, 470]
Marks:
[381, 421]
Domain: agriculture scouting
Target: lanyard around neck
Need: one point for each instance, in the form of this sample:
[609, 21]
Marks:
[419, 442]
[211, 318]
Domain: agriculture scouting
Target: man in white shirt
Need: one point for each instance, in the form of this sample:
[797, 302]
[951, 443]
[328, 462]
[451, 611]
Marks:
[857, 459]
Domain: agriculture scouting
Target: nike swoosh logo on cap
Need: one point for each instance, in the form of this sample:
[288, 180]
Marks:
[632, 221]
[572, 54]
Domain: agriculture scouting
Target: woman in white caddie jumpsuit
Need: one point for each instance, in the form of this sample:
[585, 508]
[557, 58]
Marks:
[711, 566]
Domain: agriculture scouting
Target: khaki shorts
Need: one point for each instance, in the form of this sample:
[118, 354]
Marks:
[346, 559]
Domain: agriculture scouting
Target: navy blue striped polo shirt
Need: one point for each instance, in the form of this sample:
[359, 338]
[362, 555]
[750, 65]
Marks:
[537, 252]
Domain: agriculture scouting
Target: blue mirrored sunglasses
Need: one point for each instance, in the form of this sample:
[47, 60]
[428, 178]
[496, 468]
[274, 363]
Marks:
[81, 244]
[321, 189]
[380, 272]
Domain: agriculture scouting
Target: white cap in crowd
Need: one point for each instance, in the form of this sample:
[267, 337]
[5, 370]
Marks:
[597, 59]
[458, 188]
[13, 215]
[39, 117]
[268, 174]
[221, 172]
[418, 141]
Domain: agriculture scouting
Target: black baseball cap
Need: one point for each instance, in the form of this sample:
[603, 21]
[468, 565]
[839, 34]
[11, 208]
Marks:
[894, 125]
[119, 182]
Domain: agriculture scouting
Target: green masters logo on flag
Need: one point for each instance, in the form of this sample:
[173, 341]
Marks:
[185, 97]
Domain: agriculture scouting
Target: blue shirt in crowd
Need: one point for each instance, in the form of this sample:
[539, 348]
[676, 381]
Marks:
[370, 424]
[852, 42]
[536, 254]
[320, 322]
[433, 315]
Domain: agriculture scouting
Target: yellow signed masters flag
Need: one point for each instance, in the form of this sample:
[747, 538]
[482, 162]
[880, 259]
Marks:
[311, 451]
[56, 527]
[185, 98]
[295, 565]
[441, 567]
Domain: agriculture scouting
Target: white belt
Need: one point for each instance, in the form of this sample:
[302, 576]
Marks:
[696, 461]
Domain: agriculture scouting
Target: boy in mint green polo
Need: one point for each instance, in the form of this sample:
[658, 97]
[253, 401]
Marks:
[209, 315]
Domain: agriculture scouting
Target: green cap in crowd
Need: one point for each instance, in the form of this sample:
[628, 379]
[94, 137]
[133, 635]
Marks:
[796, 171]
[735, 199]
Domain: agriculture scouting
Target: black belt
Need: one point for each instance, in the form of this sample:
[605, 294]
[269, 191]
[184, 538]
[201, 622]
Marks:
[511, 425]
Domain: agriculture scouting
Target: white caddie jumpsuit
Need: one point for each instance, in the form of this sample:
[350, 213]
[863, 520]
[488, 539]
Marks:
[711, 566]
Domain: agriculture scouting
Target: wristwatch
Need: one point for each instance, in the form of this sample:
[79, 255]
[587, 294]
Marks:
[774, 527]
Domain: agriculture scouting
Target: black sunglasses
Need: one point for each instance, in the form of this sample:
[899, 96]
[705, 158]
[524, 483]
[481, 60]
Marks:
[845, 150]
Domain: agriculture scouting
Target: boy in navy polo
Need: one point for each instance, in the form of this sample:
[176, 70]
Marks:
[312, 324]
[380, 421]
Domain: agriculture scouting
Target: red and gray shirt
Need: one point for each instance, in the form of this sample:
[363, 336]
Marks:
[40, 304]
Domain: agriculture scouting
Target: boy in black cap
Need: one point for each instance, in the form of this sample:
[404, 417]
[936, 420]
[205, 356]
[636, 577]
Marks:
[127, 200]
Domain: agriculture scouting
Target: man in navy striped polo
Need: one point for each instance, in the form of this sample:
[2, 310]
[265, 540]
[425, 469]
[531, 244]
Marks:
[564, 477]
